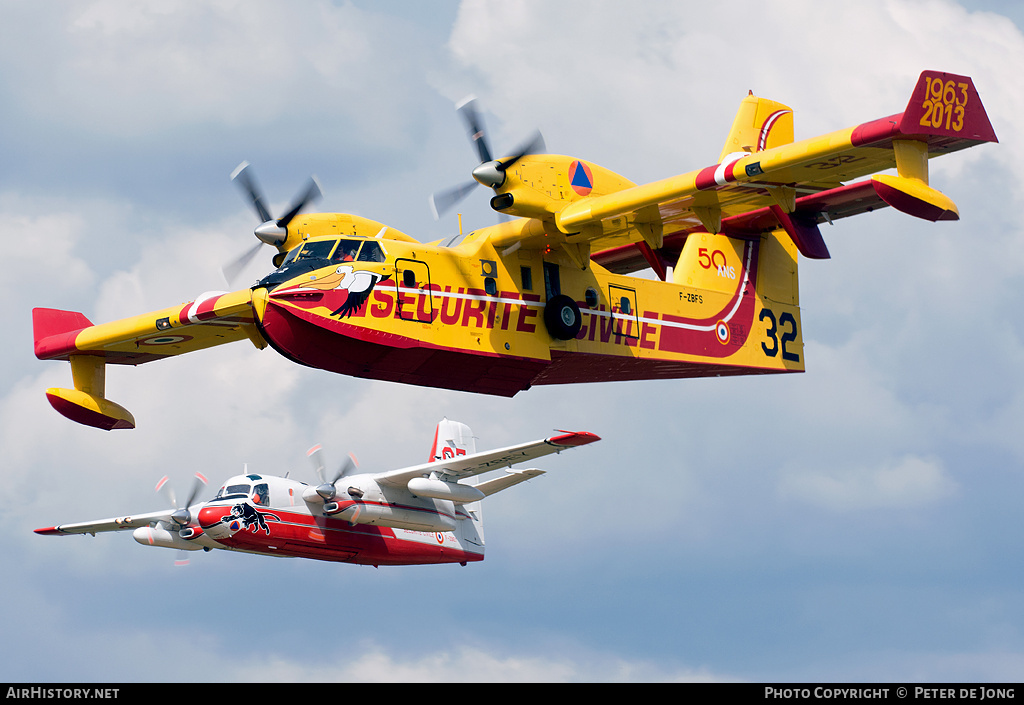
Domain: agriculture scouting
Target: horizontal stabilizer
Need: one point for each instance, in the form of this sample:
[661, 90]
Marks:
[512, 477]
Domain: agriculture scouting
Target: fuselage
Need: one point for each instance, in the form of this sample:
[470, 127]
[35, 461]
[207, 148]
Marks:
[269, 516]
[476, 317]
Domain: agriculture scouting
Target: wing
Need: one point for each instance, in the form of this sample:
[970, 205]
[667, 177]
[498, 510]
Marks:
[114, 524]
[468, 465]
[791, 185]
[212, 319]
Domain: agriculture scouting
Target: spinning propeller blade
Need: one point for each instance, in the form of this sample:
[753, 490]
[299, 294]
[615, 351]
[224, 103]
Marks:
[467, 109]
[247, 182]
[327, 489]
[182, 516]
[443, 201]
[490, 172]
[270, 231]
[233, 268]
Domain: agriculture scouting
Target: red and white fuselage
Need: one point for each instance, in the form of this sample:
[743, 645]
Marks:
[416, 515]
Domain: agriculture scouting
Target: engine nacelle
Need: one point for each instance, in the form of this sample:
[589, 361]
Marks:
[386, 515]
[439, 489]
[311, 496]
[148, 536]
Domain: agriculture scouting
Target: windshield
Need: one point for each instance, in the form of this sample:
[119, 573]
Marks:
[371, 252]
[346, 251]
[290, 257]
[320, 249]
[230, 491]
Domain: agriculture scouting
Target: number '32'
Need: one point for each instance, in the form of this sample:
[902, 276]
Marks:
[785, 324]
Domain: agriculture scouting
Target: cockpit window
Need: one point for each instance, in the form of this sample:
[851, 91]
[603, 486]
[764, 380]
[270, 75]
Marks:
[371, 252]
[346, 251]
[290, 257]
[319, 249]
[229, 491]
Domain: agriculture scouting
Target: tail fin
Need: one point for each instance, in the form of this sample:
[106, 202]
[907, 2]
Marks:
[760, 124]
[451, 439]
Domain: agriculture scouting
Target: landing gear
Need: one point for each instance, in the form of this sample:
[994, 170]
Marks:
[562, 318]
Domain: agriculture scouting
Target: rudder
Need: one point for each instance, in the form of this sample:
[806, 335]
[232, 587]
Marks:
[760, 124]
[451, 439]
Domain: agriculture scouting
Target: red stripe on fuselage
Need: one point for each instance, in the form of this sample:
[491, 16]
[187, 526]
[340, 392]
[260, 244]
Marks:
[321, 538]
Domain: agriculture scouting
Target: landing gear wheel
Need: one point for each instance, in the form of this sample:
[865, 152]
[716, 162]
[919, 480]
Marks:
[562, 318]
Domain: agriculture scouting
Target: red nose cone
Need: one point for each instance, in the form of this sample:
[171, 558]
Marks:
[209, 516]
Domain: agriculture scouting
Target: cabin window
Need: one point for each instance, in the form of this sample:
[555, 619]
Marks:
[371, 252]
[491, 286]
[527, 276]
[552, 283]
[346, 251]
[591, 296]
[319, 249]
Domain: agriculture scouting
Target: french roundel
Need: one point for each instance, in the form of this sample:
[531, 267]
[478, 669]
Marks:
[166, 340]
[580, 178]
[722, 332]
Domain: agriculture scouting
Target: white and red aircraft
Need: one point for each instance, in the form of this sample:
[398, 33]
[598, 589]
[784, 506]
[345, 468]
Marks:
[417, 515]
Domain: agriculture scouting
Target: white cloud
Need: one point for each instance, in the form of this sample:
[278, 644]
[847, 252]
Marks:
[901, 483]
[477, 665]
[128, 70]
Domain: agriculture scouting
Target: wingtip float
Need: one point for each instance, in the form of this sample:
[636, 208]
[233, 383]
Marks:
[546, 298]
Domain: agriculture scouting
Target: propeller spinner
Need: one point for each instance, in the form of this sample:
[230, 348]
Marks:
[490, 172]
[270, 231]
[328, 490]
[181, 516]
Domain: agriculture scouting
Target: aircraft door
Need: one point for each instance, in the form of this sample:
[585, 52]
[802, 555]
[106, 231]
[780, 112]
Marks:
[415, 301]
[623, 306]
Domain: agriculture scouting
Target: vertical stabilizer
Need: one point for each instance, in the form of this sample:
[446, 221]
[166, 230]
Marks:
[760, 124]
[451, 439]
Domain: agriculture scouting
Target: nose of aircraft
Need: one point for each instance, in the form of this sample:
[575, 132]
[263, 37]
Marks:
[211, 516]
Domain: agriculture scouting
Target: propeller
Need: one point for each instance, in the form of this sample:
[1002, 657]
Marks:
[181, 516]
[270, 231]
[490, 172]
[327, 490]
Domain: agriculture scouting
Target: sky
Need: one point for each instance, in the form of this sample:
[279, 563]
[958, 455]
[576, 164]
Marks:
[858, 522]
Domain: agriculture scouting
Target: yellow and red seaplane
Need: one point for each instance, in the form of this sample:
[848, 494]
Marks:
[548, 297]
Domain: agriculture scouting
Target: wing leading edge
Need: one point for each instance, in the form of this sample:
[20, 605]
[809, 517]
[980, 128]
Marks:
[114, 524]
